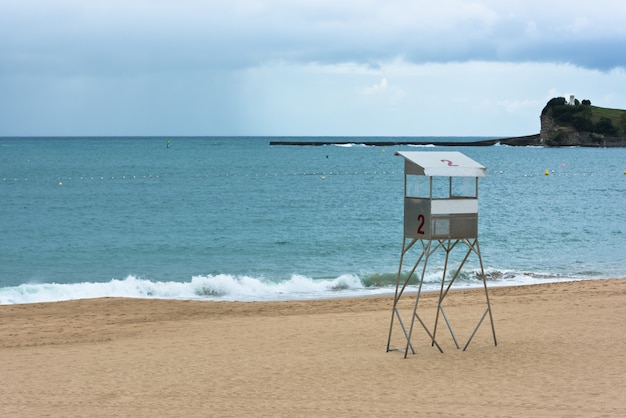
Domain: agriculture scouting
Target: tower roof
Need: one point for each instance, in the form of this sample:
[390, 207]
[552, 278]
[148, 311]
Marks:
[435, 163]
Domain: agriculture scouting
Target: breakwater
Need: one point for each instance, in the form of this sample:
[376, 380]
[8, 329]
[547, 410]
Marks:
[513, 141]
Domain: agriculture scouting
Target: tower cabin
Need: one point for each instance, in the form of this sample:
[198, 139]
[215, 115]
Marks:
[440, 195]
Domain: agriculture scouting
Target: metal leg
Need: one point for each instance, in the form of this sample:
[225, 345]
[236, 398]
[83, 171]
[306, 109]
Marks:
[482, 272]
[441, 294]
[417, 298]
[475, 329]
[427, 250]
[396, 296]
[400, 290]
[445, 317]
[428, 332]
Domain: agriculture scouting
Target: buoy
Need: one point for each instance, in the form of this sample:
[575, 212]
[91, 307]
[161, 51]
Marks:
[323, 177]
[547, 173]
[382, 150]
[61, 183]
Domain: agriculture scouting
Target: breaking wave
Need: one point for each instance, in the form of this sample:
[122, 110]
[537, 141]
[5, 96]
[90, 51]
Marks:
[246, 288]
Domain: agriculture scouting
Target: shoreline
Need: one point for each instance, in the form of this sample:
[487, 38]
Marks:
[388, 293]
[329, 296]
[559, 353]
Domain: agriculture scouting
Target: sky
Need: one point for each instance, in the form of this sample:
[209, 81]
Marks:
[303, 67]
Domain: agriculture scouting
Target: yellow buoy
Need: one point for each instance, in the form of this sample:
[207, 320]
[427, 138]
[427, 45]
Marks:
[547, 173]
[323, 178]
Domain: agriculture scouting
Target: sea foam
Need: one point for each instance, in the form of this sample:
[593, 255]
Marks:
[226, 287]
[209, 287]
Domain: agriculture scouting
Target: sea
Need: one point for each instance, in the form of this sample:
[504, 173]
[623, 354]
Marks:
[238, 219]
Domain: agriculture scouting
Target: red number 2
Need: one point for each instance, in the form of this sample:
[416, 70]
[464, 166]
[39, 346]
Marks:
[420, 219]
[450, 163]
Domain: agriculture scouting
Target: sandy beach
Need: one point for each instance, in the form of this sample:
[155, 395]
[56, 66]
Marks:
[561, 352]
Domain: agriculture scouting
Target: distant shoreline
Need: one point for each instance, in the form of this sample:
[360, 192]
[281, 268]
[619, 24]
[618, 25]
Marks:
[513, 141]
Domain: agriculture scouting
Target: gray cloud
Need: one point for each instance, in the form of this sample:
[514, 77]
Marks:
[147, 36]
[188, 66]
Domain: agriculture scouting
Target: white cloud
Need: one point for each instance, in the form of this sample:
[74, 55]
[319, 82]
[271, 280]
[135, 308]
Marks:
[376, 88]
[383, 91]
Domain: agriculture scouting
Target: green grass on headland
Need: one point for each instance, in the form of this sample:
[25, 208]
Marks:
[616, 116]
[587, 118]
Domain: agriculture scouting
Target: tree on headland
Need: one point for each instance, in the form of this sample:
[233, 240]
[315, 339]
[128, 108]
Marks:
[579, 116]
[556, 101]
[605, 127]
[574, 123]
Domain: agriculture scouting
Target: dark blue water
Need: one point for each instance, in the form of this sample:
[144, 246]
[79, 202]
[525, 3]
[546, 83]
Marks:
[236, 218]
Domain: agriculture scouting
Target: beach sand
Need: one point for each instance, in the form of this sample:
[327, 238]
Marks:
[561, 352]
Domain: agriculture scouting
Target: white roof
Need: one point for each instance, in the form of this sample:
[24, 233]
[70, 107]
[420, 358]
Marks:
[435, 163]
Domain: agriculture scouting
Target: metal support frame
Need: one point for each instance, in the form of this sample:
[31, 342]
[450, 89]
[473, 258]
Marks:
[429, 247]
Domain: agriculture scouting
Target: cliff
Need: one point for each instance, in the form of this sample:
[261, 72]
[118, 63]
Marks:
[580, 124]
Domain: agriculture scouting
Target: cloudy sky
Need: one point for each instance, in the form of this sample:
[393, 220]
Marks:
[303, 67]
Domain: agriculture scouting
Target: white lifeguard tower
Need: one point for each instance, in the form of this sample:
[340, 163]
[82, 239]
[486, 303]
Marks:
[440, 212]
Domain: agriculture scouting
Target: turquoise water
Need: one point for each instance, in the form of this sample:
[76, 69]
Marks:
[238, 219]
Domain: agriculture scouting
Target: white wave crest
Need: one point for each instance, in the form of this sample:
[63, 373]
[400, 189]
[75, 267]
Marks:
[210, 287]
[246, 288]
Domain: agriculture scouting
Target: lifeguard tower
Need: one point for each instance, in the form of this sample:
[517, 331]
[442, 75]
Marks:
[440, 213]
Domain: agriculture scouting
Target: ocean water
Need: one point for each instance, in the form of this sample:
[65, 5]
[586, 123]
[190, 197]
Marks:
[237, 219]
